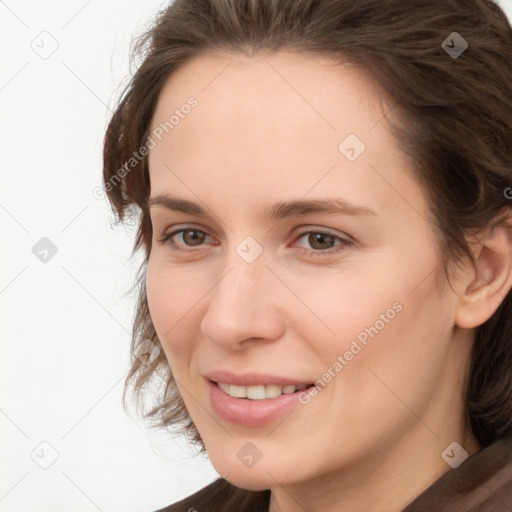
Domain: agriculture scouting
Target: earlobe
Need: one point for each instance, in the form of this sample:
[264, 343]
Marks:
[491, 280]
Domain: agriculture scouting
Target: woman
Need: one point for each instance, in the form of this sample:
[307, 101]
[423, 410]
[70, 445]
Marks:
[324, 198]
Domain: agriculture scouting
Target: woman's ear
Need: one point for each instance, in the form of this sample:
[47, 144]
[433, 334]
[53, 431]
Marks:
[485, 287]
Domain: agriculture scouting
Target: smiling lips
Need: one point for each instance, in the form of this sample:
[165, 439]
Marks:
[252, 400]
[259, 392]
[256, 386]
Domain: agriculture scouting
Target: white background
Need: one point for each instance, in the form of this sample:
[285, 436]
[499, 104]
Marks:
[66, 323]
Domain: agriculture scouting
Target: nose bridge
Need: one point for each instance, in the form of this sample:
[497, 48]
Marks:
[240, 305]
[246, 273]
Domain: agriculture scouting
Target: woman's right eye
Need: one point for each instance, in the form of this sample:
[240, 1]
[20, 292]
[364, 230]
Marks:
[180, 239]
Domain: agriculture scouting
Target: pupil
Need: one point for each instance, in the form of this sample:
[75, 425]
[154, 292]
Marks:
[195, 240]
[319, 238]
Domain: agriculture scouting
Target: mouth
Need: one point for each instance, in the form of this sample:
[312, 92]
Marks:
[256, 405]
[260, 391]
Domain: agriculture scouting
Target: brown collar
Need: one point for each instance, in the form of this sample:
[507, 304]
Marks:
[482, 483]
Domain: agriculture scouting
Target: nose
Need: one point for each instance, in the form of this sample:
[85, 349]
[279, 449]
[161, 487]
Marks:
[244, 307]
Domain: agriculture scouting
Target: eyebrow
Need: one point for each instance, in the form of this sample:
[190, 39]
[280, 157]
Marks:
[278, 210]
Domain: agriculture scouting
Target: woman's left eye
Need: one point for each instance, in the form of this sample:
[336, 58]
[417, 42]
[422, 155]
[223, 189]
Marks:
[322, 243]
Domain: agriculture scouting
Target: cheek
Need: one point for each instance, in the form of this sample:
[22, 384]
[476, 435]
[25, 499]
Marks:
[388, 364]
[340, 306]
[171, 298]
[379, 323]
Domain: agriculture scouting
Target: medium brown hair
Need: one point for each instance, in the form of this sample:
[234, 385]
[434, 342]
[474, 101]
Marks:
[456, 127]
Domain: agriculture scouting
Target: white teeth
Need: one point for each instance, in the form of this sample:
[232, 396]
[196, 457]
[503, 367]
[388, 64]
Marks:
[259, 392]
[271, 391]
[223, 386]
[237, 391]
[255, 392]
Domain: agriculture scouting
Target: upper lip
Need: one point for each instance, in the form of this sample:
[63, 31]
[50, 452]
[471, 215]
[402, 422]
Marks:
[253, 379]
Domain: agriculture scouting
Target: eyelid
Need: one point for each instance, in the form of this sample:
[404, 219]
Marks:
[305, 230]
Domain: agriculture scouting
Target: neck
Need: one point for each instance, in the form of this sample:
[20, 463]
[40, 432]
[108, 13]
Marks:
[387, 481]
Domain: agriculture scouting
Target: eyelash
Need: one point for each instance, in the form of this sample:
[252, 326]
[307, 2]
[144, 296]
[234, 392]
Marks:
[343, 245]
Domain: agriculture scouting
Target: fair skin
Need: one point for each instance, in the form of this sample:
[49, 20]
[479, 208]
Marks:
[266, 129]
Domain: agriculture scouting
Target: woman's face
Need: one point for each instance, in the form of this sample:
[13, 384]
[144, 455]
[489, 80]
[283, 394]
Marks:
[307, 256]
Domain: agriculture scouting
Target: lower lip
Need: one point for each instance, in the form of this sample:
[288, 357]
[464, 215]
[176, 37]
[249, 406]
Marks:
[251, 413]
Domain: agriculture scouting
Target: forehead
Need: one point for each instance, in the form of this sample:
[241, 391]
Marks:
[273, 122]
[273, 89]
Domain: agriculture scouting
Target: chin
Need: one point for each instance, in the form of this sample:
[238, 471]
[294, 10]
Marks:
[261, 476]
[249, 480]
